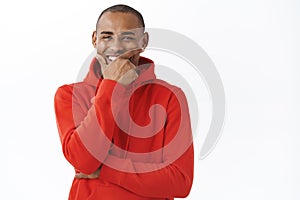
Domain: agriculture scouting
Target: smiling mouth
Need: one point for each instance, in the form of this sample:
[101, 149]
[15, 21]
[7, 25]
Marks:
[111, 58]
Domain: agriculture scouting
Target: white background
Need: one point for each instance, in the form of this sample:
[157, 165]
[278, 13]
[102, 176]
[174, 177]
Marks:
[254, 45]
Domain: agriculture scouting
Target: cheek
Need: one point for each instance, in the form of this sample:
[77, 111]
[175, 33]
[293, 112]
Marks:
[131, 45]
[101, 47]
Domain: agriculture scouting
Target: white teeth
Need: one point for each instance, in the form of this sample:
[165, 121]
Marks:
[112, 58]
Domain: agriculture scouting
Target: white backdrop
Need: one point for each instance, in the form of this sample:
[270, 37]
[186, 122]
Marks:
[254, 45]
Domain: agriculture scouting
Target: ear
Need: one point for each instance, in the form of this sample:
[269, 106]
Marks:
[145, 40]
[94, 39]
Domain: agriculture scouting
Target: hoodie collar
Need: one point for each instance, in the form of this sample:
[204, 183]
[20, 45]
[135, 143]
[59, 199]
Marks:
[145, 70]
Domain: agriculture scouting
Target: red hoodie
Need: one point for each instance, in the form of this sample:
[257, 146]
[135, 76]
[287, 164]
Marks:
[145, 152]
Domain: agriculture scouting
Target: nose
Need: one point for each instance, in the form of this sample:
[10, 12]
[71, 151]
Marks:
[117, 47]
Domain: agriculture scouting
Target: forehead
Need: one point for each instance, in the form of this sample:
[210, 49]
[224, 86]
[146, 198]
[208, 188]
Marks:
[118, 22]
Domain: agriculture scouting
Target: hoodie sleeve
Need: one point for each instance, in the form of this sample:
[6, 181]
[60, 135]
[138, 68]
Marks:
[81, 140]
[171, 179]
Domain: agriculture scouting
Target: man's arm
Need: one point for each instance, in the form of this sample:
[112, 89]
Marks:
[79, 139]
[87, 143]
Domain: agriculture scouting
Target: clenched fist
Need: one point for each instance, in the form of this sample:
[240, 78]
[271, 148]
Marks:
[121, 68]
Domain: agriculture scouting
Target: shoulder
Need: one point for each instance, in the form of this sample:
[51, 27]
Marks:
[68, 90]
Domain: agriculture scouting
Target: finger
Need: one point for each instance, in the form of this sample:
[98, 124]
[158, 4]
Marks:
[92, 176]
[131, 53]
[128, 77]
[80, 175]
[102, 61]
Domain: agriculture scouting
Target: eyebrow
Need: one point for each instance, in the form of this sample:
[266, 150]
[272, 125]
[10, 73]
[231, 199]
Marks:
[127, 33]
[107, 32]
[123, 33]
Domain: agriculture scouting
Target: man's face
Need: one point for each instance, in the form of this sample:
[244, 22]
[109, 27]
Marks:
[118, 32]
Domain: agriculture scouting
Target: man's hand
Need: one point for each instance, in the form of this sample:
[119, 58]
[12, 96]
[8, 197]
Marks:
[94, 175]
[122, 68]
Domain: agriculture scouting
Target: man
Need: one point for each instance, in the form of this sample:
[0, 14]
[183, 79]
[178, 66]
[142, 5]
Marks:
[126, 133]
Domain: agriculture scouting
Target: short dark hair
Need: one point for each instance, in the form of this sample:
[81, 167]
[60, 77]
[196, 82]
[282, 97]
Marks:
[125, 9]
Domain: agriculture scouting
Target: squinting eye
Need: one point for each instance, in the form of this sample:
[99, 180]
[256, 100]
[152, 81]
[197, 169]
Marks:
[106, 37]
[128, 38]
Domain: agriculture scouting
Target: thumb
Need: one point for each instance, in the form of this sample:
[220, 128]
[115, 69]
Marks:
[101, 59]
[102, 62]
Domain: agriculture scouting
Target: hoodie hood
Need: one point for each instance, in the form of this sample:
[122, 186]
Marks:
[145, 70]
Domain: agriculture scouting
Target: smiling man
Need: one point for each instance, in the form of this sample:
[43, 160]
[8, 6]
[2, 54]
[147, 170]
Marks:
[126, 133]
